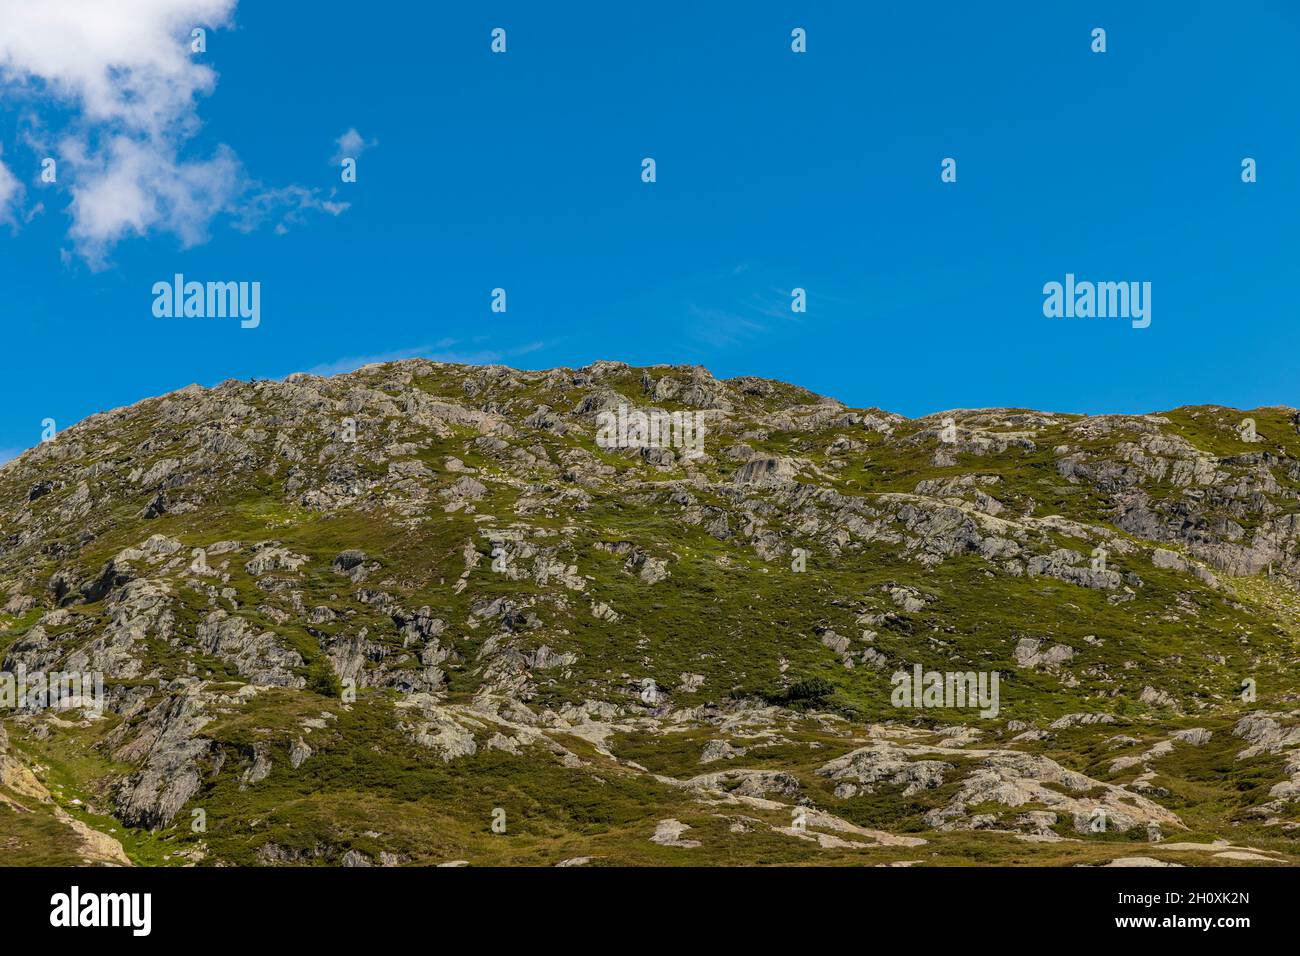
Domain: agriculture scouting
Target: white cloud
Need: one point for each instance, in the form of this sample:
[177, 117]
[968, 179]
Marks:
[351, 145]
[11, 194]
[9, 454]
[125, 70]
[131, 187]
[120, 61]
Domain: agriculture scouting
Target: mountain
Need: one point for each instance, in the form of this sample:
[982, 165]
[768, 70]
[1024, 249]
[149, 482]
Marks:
[425, 613]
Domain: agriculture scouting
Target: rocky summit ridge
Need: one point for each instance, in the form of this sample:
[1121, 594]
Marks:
[418, 614]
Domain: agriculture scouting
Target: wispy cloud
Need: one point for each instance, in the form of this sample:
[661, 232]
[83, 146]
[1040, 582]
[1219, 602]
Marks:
[729, 307]
[287, 206]
[9, 454]
[351, 363]
[720, 327]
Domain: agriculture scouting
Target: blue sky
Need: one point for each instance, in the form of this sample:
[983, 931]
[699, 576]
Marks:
[775, 170]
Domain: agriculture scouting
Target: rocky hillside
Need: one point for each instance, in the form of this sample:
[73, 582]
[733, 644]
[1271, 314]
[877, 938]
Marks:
[417, 614]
